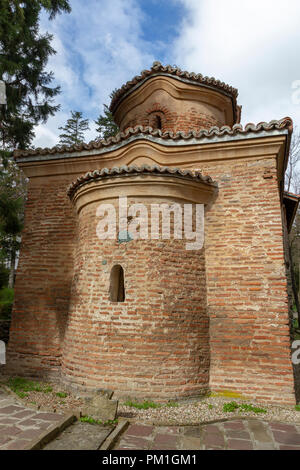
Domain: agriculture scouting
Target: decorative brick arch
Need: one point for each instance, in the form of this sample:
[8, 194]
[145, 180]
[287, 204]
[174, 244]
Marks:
[158, 117]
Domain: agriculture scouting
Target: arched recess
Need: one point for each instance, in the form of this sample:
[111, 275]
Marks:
[117, 286]
[156, 120]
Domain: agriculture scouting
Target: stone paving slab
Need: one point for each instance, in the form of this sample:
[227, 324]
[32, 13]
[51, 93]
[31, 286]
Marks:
[19, 426]
[80, 436]
[243, 434]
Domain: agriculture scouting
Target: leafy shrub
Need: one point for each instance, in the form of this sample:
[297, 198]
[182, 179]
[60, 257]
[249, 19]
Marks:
[4, 274]
[6, 302]
[6, 295]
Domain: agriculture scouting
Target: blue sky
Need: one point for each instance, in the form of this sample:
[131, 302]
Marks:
[254, 46]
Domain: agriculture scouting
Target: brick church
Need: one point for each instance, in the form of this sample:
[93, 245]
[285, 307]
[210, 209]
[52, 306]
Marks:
[148, 318]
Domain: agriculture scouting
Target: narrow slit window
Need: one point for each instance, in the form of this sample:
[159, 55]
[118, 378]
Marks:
[157, 122]
[117, 289]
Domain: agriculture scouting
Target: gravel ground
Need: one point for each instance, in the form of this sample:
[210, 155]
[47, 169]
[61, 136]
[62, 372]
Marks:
[185, 413]
[47, 401]
[206, 410]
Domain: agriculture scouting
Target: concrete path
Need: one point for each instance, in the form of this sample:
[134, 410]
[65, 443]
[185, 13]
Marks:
[248, 434]
[21, 427]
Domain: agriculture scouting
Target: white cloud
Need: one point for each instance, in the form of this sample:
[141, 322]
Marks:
[99, 47]
[254, 46]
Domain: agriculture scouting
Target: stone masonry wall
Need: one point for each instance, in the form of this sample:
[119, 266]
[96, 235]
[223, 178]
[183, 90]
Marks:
[246, 283]
[155, 344]
[43, 281]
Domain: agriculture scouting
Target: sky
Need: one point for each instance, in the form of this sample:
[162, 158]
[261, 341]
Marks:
[253, 46]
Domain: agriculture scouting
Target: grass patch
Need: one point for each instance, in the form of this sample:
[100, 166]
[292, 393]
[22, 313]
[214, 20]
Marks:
[90, 420]
[172, 404]
[234, 406]
[297, 407]
[22, 394]
[142, 406]
[61, 394]
[21, 386]
[210, 407]
[145, 405]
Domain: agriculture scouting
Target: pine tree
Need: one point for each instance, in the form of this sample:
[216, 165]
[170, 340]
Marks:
[74, 129]
[24, 53]
[106, 124]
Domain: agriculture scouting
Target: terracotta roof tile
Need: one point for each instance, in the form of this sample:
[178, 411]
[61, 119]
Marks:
[158, 68]
[157, 133]
[135, 170]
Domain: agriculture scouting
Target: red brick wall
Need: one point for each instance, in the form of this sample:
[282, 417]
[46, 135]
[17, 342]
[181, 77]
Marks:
[43, 280]
[173, 120]
[155, 344]
[139, 349]
[246, 283]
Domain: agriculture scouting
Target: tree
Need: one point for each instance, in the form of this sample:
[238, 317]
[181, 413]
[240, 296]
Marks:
[24, 53]
[12, 196]
[292, 184]
[74, 129]
[106, 124]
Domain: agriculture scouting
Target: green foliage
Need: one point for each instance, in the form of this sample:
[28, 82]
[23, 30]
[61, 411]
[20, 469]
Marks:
[234, 406]
[74, 129]
[230, 407]
[172, 404]
[24, 53]
[90, 420]
[61, 394]
[297, 407]
[210, 407]
[6, 296]
[106, 126]
[13, 186]
[296, 329]
[6, 302]
[20, 386]
[254, 409]
[4, 273]
[22, 394]
[142, 406]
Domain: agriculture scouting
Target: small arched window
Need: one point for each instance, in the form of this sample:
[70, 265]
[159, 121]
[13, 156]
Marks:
[157, 122]
[117, 289]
